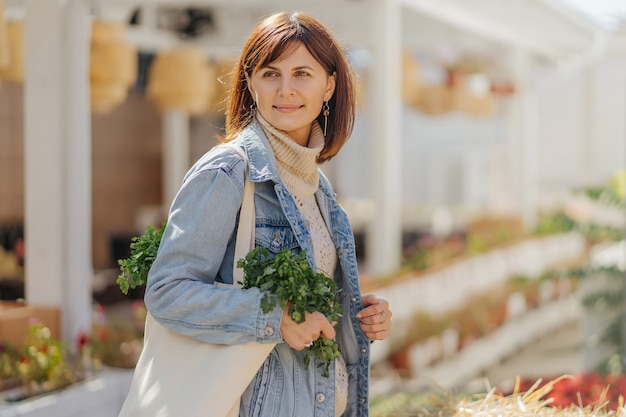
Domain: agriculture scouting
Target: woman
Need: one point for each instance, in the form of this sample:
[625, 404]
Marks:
[290, 108]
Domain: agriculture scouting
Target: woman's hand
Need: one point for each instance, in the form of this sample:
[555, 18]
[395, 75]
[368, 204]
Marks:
[301, 335]
[375, 317]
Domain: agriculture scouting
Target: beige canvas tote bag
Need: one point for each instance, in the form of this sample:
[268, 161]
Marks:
[177, 376]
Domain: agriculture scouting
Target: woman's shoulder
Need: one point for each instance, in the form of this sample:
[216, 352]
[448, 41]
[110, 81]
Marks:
[223, 157]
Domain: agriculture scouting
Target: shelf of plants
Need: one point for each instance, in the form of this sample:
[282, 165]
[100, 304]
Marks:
[450, 288]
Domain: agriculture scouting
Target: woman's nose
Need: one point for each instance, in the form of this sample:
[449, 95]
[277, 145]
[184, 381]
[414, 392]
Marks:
[286, 87]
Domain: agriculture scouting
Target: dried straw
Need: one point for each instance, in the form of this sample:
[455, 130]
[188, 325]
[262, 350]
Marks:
[532, 403]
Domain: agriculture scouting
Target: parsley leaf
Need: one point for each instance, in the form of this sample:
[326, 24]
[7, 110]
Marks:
[134, 269]
[288, 277]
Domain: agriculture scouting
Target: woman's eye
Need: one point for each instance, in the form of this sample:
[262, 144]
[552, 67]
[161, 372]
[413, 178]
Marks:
[302, 74]
[270, 74]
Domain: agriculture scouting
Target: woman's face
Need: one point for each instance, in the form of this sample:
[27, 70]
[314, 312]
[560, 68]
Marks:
[289, 93]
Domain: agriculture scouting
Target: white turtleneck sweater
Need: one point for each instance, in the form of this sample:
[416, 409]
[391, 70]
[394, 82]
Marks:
[298, 168]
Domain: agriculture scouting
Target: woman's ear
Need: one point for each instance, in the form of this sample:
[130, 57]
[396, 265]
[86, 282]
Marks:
[330, 87]
[249, 86]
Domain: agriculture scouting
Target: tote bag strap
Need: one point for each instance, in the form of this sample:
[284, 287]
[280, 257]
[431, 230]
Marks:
[180, 376]
[245, 230]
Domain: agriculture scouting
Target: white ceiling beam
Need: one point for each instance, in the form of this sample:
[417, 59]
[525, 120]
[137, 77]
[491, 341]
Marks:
[14, 10]
[115, 11]
[183, 3]
[562, 10]
[471, 20]
[155, 40]
[150, 39]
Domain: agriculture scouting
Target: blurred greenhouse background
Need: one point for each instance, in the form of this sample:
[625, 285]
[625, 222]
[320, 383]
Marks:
[485, 180]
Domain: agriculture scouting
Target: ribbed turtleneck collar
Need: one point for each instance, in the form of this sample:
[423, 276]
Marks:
[297, 165]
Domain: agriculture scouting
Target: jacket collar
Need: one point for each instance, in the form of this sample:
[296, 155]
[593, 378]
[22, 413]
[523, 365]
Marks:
[262, 162]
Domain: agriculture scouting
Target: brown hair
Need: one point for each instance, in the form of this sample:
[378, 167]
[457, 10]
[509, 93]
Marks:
[280, 34]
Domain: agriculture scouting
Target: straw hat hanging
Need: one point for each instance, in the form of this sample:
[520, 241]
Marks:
[12, 50]
[470, 88]
[411, 84]
[181, 79]
[113, 65]
[4, 43]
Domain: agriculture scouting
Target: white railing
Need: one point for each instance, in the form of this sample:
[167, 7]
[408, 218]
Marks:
[449, 288]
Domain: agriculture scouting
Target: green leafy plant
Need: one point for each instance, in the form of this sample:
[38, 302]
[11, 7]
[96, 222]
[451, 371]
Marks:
[46, 360]
[134, 270]
[611, 193]
[285, 278]
[288, 280]
[609, 299]
[43, 364]
[9, 360]
[554, 223]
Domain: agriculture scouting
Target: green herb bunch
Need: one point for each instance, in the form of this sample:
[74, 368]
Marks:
[134, 270]
[285, 278]
[289, 278]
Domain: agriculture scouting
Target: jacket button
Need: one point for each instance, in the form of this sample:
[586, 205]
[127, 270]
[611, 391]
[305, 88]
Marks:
[320, 398]
[269, 329]
[364, 350]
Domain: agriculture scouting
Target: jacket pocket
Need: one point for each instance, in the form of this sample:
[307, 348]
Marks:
[275, 236]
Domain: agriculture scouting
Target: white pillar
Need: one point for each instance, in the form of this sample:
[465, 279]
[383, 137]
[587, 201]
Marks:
[384, 235]
[523, 150]
[587, 125]
[57, 154]
[473, 180]
[530, 155]
[175, 152]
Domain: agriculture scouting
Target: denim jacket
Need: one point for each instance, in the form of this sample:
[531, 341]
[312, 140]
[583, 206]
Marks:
[197, 250]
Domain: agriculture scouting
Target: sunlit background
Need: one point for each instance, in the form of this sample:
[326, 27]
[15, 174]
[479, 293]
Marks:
[608, 14]
[485, 180]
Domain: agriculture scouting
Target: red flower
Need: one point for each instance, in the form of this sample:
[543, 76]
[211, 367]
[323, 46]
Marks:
[583, 390]
[82, 340]
[103, 334]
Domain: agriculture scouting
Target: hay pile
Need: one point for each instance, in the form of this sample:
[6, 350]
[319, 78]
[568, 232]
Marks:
[534, 402]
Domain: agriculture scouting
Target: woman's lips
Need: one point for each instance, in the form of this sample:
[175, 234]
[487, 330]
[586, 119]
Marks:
[287, 108]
